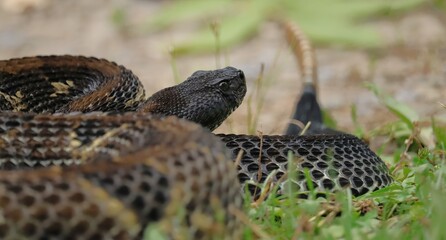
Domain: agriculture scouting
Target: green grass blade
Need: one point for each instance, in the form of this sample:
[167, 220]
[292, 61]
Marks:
[325, 21]
[440, 134]
[187, 10]
[231, 30]
[404, 112]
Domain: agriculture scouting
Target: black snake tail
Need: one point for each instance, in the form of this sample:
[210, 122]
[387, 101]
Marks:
[307, 108]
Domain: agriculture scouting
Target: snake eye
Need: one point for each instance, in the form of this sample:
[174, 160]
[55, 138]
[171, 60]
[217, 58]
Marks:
[224, 86]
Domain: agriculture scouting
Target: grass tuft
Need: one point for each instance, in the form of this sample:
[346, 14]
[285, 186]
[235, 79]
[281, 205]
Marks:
[410, 208]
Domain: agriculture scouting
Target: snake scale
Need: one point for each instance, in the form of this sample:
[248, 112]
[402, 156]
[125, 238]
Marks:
[85, 155]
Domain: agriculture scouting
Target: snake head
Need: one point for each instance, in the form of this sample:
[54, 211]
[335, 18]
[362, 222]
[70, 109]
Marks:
[206, 97]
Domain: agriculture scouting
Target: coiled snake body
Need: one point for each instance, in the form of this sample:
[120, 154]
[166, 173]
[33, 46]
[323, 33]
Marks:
[109, 175]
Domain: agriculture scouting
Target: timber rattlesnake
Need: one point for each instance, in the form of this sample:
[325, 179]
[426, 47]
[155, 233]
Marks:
[109, 175]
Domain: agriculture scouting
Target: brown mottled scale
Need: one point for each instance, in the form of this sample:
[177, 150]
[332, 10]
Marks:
[111, 175]
[125, 178]
[66, 84]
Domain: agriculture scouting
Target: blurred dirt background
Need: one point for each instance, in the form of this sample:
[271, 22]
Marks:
[411, 68]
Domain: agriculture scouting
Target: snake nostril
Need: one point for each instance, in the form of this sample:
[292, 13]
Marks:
[241, 74]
